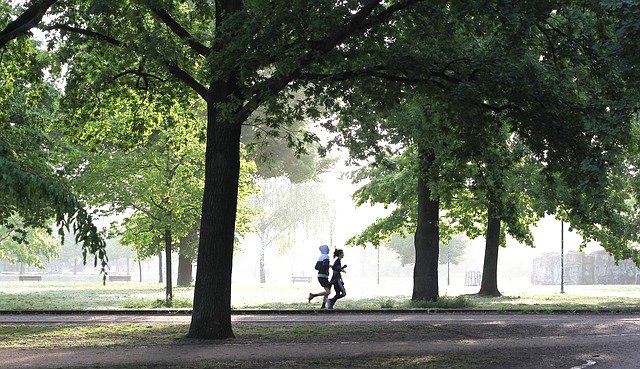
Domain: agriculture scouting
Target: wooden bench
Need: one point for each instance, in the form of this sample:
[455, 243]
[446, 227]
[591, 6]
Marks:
[295, 279]
[25, 277]
[119, 278]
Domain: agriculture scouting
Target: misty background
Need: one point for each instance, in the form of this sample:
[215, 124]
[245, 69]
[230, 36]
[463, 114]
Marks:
[331, 218]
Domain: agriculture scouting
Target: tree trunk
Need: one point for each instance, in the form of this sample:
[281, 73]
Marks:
[186, 255]
[185, 270]
[211, 316]
[160, 278]
[427, 237]
[167, 246]
[489, 284]
[263, 274]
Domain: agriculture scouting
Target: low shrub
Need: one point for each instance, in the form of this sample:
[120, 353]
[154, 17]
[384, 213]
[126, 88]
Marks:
[459, 302]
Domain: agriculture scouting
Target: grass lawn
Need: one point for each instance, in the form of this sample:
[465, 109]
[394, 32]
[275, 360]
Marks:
[25, 296]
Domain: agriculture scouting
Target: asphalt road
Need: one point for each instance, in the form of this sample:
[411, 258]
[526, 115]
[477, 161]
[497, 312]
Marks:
[523, 341]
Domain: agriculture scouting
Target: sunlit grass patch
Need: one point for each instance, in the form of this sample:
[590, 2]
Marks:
[142, 303]
[86, 296]
[18, 336]
[55, 296]
[557, 302]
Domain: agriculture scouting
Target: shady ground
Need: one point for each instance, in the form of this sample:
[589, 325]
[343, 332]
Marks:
[338, 339]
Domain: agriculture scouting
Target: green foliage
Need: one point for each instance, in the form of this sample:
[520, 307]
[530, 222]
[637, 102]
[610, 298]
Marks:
[154, 177]
[531, 115]
[453, 251]
[30, 185]
[387, 304]
[28, 245]
[177, 303]
[556, 76]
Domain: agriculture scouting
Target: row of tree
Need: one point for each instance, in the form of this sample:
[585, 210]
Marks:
[489, 114]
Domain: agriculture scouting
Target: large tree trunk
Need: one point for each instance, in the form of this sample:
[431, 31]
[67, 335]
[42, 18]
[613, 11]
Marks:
[167, 246]
[185, 270]
[427, 237]
[489, 285]
[211, 316]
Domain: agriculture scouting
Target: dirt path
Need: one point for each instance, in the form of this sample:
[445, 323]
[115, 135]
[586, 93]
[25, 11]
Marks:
[396, 340]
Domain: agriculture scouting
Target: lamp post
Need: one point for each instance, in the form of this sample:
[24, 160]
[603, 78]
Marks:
[561, 256]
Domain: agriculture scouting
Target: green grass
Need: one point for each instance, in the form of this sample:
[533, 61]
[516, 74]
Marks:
[25, 296]
[458, 302]
[88, 296]
[20, 336]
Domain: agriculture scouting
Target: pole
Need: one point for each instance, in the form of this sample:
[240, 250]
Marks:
[561, 256]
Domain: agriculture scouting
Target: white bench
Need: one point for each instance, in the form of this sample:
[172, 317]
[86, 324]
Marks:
[29, 277]
[295, 279]
[119, 278]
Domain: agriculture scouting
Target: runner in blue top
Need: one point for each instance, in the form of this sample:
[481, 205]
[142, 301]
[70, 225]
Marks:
[322, 266]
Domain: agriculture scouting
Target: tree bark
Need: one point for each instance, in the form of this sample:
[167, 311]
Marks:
[427, 237]
[185, 270]
[211, 316]
[160, 278]
[186, 255]
[489, 284]
[30, 18]
[167, 246]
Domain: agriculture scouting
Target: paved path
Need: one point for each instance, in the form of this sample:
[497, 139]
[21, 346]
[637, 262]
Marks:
[526, 341]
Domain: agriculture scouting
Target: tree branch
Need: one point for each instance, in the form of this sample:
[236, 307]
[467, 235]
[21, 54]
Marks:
[377, 73]
[137, 72]
[85, 32]
[181, 32]
[30, 18]
[274, 85]
[187, 79]
[173, 69]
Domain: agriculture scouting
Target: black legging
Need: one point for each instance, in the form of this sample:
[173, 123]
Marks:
[341, 292]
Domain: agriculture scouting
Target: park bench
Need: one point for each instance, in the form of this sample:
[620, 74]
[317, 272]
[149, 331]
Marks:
[295, 279]
[473, 278]
[119, 278]
[29, 277]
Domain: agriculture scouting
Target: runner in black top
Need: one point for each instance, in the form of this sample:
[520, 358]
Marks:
[336, 278]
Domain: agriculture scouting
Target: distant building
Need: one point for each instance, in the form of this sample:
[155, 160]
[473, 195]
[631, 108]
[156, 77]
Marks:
[595, 268]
